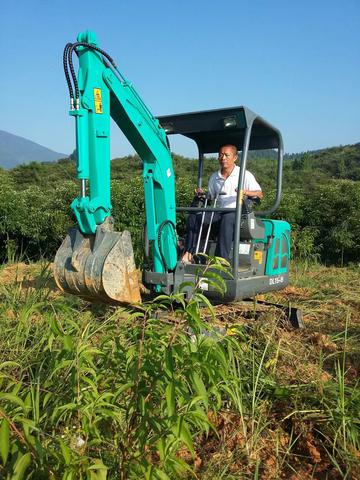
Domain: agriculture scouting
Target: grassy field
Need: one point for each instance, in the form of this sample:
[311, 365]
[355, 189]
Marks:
[96, 392]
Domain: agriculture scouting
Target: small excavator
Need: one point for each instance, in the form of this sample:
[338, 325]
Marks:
[96, 262]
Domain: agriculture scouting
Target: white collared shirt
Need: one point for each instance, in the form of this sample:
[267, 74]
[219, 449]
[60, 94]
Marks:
[218, 183]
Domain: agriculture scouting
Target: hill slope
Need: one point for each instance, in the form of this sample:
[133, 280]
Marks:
[15, 150]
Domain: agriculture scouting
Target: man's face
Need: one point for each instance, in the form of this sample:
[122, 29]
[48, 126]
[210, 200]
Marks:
[227, 157]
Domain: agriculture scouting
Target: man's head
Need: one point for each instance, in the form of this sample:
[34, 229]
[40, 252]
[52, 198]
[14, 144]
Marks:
[227, 157]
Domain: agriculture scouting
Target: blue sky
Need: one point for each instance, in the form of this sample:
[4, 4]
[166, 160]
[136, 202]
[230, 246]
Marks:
[295, 63]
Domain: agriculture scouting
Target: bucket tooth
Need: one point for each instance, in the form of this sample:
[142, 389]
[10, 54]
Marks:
[98, 267]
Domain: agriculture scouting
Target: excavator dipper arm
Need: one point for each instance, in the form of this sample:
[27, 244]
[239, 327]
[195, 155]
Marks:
[94, 251]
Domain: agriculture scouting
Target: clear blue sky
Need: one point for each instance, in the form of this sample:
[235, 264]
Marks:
[296, 63]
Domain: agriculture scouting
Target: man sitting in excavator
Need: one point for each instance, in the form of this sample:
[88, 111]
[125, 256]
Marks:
[222, 188]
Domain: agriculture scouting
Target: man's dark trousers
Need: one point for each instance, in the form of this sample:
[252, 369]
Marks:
[222, 222]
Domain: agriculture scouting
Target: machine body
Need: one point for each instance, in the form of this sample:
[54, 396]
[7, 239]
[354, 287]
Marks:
[97, 262]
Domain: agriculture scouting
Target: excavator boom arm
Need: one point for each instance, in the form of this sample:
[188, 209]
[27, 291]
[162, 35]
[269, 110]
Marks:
[94, 261]
[104, 93]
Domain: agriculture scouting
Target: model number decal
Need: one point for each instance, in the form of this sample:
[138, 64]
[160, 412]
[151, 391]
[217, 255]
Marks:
[276, 280]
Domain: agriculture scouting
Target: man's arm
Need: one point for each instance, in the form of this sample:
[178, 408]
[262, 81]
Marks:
[254, 193]
[251, 186]
[211, 186]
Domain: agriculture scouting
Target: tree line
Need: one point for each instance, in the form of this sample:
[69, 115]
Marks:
[321, 201]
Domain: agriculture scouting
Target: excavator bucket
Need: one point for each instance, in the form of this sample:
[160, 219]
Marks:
[98, 267]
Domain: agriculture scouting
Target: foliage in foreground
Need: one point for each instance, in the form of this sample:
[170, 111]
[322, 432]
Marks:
[97, 393]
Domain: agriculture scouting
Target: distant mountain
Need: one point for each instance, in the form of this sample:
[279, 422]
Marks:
[15, 150]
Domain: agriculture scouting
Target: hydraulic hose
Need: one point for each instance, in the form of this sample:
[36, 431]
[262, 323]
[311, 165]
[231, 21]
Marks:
[71, 65]
[67, 76]
[68, 63]
[159, 241]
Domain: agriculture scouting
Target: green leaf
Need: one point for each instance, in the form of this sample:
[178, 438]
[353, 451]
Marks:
[207, 282]
[68, 475]
[161, 475]
[231, 394]
[219, 355]
[14, 399]
[47, 397]
[4, 440]
[9, 364]
[21, 466]
[66, 452]
[161, 448]
[29, 438]
[221, 268]
[99, 469]
[282, 392]
[169, 360]
[203, 420]
[123, 389]
[217, 278]
[184, 434]
[68, 342]
[170, 398]
[194, 401]
[142, 405]
[27, 423]
[193, 310]
[62, 365]
[206, 301]
[199, 387]
[149, 472]
[179, 467]
[164, 299]
[54, 325]
[180, 298]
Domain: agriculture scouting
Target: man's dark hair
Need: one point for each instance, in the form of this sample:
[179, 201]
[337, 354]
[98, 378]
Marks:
[229, 145]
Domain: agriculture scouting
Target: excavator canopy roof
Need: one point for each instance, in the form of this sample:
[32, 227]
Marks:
[211, 129]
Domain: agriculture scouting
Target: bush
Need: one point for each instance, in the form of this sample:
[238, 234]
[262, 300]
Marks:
[35, 220]
[333, 212]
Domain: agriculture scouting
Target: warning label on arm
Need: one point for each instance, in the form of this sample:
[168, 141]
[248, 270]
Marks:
[97, 100]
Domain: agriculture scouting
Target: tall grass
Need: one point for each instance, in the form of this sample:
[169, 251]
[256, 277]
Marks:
[101, 393]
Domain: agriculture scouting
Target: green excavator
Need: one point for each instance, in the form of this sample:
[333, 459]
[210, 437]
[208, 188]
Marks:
[96, 262]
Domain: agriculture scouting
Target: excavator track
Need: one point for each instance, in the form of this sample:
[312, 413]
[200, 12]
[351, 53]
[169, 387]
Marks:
[250, 309]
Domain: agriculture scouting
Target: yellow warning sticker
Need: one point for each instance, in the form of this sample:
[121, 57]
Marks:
[97, 100]
[258, 256]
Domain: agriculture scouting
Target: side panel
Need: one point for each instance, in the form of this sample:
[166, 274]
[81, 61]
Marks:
[278, 257]
[237, 290]
[243, 287]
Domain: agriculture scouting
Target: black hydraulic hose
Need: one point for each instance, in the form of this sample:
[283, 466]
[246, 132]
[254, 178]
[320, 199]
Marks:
[68, 63]
[66, 71]
[72, 71]
[71, 65]
[165, 222]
